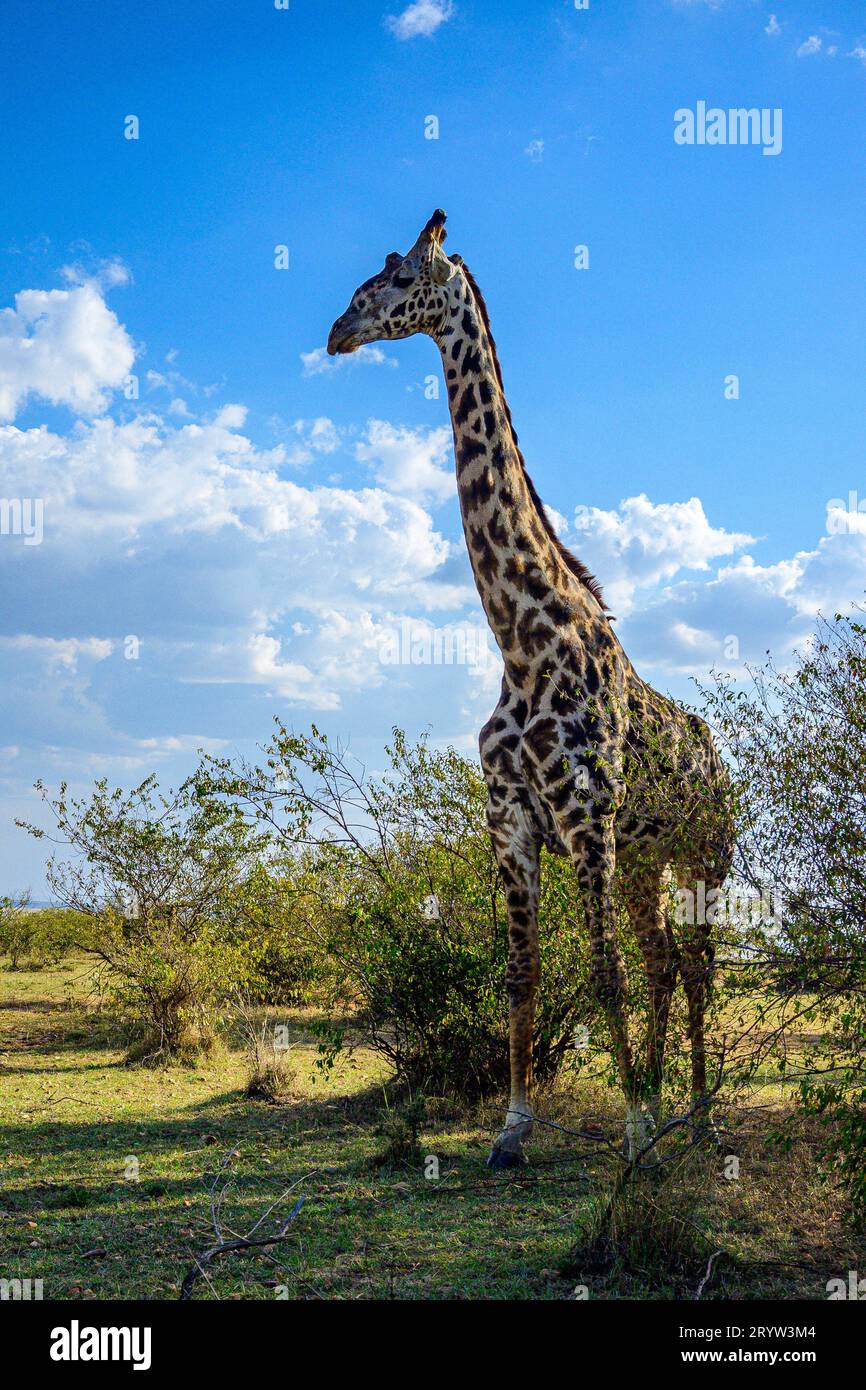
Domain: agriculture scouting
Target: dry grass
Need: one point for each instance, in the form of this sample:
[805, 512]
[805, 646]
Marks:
[270, 1073]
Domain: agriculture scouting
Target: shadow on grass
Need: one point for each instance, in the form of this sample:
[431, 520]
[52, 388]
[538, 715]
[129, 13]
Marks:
[26, 1006]
[199, 1138]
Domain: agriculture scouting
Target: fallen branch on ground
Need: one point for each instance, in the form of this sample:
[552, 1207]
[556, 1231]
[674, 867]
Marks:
[250, 1241]
[228, 1246]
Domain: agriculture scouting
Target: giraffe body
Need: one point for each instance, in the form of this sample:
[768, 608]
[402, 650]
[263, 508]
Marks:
[580, 755]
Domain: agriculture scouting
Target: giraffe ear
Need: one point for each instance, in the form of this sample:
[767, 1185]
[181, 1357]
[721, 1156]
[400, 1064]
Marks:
[441, 268]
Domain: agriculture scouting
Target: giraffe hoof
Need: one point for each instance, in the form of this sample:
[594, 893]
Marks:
[500, 1157]
[507, 1152]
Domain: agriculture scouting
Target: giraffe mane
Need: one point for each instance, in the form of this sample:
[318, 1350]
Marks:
[576, 567]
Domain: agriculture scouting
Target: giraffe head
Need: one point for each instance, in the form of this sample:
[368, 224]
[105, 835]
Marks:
[406, 296]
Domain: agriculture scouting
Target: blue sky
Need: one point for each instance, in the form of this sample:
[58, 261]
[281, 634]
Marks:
[260, 518]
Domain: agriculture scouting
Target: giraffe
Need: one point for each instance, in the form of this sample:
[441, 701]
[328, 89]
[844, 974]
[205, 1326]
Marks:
[581, 755]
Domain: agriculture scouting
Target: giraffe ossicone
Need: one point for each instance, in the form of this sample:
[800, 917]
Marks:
[581, 755]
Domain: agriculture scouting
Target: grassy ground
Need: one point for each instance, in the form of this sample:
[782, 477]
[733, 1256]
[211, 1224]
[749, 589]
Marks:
[105, 1170]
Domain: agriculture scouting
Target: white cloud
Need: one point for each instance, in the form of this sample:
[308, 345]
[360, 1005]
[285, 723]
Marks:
[291, 681]
[46, 690]
[345, 650]
[166, 744]
[644, 543]
[811, 45]
[317, 361]
[188, 536]
[231, 417]
[421, 19]
[113, 490]
[320, 436]
[859, 51]
[411, 463]
[773, 27]
[129, 757]
[304, 440]
[173, 382]
[557, 520]
[65, 346]
[59, 652]
[687, 628]
[340, 653]
[535, 150]
[680, 615]
[104, 274]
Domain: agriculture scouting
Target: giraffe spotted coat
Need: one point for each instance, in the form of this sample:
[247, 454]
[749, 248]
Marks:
[580, 754]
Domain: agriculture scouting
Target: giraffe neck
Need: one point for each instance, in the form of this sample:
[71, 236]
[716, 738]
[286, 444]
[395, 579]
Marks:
[525, 586]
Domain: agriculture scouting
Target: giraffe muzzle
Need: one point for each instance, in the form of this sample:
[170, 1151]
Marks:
[341, 338]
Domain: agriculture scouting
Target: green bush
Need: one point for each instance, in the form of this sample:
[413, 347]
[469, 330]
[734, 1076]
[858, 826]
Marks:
[796, 741]
[56, 932]
[36, 937]
[16, 930]
[400, 1126]
[158, 883]
[395, 884]
[281, 965]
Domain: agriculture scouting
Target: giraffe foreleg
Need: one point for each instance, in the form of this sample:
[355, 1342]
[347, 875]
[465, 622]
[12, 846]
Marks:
[517, 852]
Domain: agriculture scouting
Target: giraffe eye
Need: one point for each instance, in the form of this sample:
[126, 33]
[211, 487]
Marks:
[402, 282]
